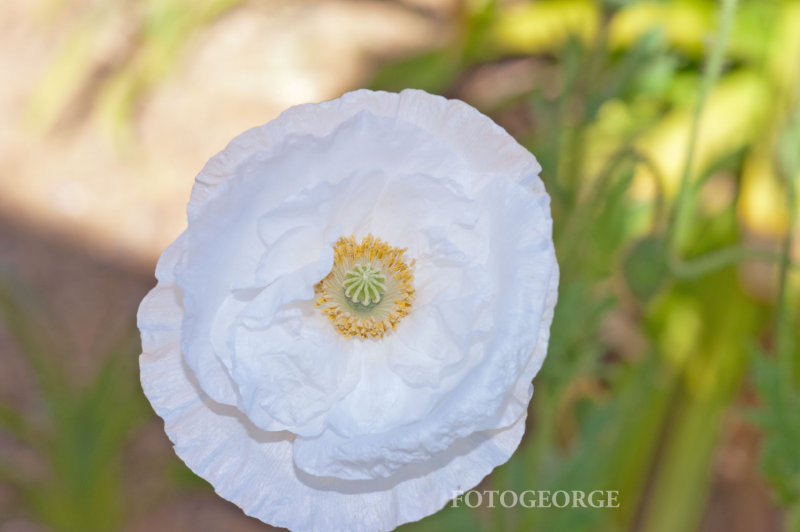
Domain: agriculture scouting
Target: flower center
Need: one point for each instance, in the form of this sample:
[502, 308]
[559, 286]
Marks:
[369, 290]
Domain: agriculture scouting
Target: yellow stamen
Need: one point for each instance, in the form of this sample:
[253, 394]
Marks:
[369, 290]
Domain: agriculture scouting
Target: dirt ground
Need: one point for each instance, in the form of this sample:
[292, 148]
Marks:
[237, 72]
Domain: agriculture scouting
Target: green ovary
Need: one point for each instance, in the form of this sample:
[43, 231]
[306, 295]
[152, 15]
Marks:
[364, 286]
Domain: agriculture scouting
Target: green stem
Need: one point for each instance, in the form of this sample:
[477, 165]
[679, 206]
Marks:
[711, 73]
[715, 260]
[784, 331]
[783, 327]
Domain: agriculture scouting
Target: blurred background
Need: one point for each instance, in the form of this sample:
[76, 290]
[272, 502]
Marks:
[669, 134]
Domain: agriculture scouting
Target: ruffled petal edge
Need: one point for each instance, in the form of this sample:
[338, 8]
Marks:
[254, 469]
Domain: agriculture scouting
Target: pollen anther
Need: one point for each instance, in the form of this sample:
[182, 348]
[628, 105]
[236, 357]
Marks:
[369, 290]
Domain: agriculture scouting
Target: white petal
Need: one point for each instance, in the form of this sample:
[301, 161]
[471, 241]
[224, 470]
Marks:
[254, 469]
[485, 146]
[485, 392]
[382, 432]
[226, 245]
[275, 392]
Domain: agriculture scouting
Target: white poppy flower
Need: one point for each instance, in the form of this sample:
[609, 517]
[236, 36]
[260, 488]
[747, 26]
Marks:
[344, 337]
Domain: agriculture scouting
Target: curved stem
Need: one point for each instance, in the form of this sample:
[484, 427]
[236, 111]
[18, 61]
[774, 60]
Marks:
[714, 260]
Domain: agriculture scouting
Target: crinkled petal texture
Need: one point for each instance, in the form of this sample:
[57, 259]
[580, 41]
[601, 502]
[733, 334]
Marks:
[297, 424]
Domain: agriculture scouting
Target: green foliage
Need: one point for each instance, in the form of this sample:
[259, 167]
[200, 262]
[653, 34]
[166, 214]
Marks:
[776, 378]
[635, 80]
[778, 417]
[85, 430]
